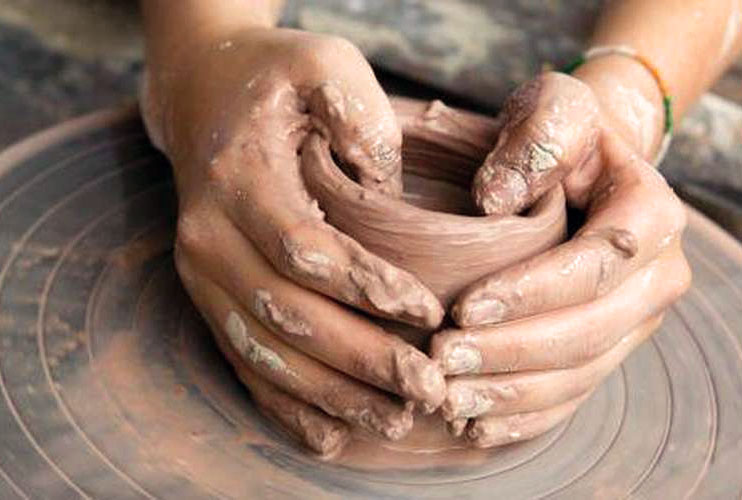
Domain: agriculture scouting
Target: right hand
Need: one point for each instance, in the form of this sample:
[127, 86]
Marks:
[538, 337]
[253, 249]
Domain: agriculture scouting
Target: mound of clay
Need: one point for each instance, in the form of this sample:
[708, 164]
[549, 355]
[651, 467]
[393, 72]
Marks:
[434, 231]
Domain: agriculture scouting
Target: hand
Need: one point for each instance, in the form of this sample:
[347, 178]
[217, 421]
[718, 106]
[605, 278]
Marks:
[253, 248]
[581, 307]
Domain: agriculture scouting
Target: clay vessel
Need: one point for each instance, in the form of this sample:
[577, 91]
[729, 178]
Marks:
[435, 231]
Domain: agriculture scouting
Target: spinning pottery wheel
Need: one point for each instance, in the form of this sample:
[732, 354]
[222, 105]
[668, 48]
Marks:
[112, 387]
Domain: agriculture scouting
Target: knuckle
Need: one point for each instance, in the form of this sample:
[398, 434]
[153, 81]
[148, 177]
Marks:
[571, 91]
[323, 51]
[363, 363]
[330, 44]
[523, 102]
[586, 348]
[182, 266]
[684, 278]
[191, 235]
[676, 213]
[561, 81]
[219, 172]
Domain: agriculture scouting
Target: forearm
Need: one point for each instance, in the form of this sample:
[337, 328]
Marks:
[690, 42]
[175, 32]
[172, 26]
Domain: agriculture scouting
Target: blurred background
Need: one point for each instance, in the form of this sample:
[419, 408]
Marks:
[65, 58]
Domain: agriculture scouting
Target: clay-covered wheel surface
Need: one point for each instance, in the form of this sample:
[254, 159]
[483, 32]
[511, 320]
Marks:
[111, 387]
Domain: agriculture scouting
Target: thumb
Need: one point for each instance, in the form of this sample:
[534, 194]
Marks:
[363, 131]
[551, 128]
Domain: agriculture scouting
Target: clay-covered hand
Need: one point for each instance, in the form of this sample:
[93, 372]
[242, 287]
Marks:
[538, 337]
[253, 248]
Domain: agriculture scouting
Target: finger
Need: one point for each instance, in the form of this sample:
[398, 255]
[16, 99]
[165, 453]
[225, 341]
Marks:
[633, 217]
[291, 371]
[357, 119]
[487, 432]
[322, 434]
[456, 427]
[551, 128]
[317, 325]
[473, 396]
[273, 209]
[570, 336]
[338, 89]
[354, 114]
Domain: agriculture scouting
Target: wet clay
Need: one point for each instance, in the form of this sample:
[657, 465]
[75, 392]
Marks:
[434, 232]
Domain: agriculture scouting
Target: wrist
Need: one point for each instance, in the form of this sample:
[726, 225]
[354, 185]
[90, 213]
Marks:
[174, 81]
[173, 33]
[630, 98]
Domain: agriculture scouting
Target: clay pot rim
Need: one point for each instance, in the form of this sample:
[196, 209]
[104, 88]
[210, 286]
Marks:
[543, 212]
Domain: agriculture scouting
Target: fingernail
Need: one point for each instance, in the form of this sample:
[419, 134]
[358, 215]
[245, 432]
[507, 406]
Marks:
[419, 378]
[466, 403]
[390, 423]
[462, 359]
[482, 311]
[456, 427]
[484, 436]
[398, 425]
[327, 440]
[502, 193]
[487, 434]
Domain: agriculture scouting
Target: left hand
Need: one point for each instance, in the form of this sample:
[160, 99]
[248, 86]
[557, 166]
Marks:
[253, 248]
[581, 307]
